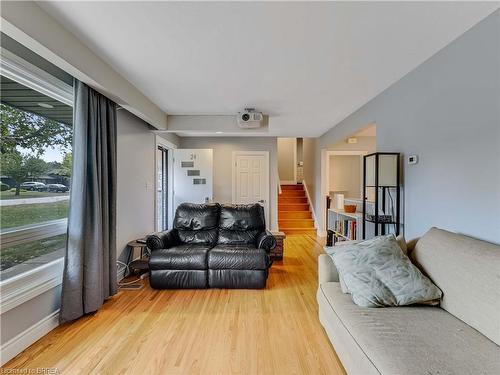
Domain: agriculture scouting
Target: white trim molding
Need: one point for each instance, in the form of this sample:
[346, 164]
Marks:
[20, 342]
[27, 285]
[29, 75]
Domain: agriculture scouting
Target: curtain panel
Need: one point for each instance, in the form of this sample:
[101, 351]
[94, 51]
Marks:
[90, 264]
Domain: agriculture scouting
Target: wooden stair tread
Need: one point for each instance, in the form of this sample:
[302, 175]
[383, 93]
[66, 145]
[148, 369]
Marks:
[310, 231]
[294, 215]
[292, 187]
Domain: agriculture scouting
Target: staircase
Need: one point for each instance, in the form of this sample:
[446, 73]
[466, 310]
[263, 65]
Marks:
[294, 216]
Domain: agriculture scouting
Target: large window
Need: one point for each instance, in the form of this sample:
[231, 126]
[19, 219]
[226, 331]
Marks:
[36, 134]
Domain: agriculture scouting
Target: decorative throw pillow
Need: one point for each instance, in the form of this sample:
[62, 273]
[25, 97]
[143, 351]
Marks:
[329, 250]
[377, 273]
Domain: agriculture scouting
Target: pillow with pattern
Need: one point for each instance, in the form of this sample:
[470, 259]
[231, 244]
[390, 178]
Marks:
[377, 273]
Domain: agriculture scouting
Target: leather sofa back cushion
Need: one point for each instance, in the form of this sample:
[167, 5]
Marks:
[241, 224]
[194, 217]
[242, 217]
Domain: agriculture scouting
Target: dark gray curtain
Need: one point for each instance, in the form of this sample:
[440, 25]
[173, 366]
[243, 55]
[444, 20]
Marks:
[90, 265]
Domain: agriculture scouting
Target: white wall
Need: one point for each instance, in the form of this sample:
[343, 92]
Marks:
[223, 149]
[345, 175]
[367, 144]
[135, 204]
[287, 153]
[446, 111]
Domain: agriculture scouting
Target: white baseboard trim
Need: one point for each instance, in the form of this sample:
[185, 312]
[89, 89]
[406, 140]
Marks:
[120, 275]
[20, 342]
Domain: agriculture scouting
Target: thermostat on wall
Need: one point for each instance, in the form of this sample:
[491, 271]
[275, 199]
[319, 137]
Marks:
[412, 159]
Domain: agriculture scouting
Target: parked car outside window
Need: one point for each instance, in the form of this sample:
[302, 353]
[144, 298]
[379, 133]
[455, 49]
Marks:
[58, 188]
[34, 186]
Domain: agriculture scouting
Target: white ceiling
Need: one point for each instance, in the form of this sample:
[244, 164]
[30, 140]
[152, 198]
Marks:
[307, 65]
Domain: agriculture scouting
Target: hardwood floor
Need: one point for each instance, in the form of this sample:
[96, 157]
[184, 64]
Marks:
[271, 331]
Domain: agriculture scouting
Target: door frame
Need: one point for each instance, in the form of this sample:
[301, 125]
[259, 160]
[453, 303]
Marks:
[266, 172]
[325, 181]
[159, 141]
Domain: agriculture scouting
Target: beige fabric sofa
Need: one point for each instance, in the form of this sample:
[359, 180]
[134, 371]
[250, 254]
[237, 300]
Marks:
[459, 337]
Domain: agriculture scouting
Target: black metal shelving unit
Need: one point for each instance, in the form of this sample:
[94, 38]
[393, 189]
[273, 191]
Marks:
[383, 187]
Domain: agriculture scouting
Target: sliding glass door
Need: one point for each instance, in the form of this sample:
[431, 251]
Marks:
[162, 206]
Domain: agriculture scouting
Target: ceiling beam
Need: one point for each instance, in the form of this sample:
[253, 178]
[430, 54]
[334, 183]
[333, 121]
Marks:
[210, 125]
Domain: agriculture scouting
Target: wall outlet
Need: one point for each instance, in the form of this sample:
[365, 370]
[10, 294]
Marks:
[412, 159]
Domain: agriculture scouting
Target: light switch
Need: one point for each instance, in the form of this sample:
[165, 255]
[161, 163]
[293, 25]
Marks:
[412, 159]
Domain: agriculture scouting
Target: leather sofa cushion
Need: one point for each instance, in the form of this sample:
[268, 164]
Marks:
[238, 257]
[200, 237]
[238, 237]
[241, 223]
[242, 217]
[190, 216]
[178, 279]
[237, 279]
[181, 257]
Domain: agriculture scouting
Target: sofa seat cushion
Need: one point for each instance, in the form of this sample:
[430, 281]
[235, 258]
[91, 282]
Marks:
[413, 340]
[238, 257]
[181, 257]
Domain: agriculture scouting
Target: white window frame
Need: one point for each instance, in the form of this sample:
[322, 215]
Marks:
[20, 288]
[29, 75]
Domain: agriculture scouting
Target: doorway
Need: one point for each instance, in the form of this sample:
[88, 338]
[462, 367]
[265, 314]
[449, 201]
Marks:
[161, 188]
[163, 183]
[251, 179]
[349, 152]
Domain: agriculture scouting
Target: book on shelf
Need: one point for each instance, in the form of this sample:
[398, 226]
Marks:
[346, 228]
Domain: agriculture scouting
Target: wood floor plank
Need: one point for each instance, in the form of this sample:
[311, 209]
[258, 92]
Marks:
[213, 331]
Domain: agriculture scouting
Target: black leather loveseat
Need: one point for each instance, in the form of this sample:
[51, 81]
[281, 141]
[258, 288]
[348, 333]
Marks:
[212, 246]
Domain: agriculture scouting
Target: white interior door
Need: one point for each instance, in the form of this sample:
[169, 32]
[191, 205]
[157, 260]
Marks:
[193, 176]
[251, 179]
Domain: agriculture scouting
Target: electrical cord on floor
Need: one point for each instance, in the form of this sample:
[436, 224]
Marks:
[127, 270]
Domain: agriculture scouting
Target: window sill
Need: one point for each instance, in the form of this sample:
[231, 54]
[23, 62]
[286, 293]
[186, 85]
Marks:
[21, 288]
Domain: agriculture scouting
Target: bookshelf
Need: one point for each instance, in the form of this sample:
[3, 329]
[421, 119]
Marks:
[335, 215]
[345, 226]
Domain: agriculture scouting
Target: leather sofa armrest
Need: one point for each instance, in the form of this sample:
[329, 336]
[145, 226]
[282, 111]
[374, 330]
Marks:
[162, 240]
[266, 241]
[327, 272]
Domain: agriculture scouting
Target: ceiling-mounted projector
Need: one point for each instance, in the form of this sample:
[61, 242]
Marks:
[250, 119]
